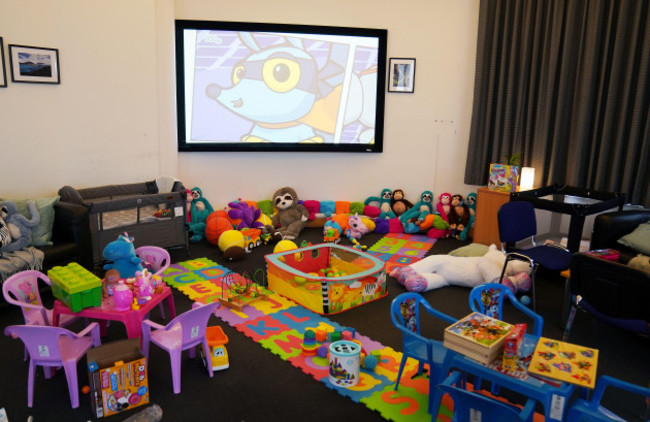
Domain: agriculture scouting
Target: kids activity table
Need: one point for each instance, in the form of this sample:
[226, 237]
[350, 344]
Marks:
[132, 319]
[554, 397]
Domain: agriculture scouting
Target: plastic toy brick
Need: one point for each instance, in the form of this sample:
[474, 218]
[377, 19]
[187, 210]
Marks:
[75, 286]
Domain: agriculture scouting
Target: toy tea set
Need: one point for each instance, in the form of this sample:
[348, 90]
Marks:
[126, 280]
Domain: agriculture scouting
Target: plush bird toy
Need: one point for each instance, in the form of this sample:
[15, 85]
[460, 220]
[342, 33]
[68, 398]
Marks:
[200, 210]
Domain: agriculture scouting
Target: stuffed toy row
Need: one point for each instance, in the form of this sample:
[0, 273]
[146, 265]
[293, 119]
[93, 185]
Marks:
[285, 215]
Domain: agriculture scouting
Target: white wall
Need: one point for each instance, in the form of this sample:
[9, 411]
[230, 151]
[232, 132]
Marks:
[112, 119]
[100, 125]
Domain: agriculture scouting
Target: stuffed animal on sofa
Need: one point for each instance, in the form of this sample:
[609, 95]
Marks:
[291, 216]
[121, 253]
[383, 202]
[640, 262]
[200, 210]
[18, 229]
[437, 271]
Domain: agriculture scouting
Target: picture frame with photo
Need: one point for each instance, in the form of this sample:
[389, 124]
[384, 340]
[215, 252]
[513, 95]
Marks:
[3, 72]
[34, 64]
[401, 76]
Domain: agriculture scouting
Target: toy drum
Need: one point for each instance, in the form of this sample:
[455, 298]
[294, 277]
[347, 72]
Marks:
[344, 363]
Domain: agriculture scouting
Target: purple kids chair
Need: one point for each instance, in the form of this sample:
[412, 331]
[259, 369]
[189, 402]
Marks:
[52, 347]
[184, 332]
[156, 260]
[21, 289]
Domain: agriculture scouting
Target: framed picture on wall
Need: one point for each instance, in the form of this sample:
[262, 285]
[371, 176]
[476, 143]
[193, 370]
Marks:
[3, 72]
[401, 76]
[34, 64]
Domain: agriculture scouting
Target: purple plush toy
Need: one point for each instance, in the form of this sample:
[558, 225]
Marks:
[247, 213]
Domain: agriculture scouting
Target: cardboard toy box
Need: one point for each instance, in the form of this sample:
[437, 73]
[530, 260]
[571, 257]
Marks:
[477, 336]
[512, 347]
[503, 178]
[117, 377]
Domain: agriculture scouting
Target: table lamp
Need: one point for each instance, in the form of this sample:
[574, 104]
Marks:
[527, 179]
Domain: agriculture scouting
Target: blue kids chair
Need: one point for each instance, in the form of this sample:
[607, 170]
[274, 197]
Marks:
[591, 410]
[488, 299]
[405, 313]
[470, 406]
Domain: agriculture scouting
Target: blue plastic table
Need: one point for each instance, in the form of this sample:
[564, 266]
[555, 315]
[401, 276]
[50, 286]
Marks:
[554, 398]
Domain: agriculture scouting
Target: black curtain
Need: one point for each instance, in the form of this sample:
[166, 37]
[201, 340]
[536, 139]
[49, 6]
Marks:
[566, 84]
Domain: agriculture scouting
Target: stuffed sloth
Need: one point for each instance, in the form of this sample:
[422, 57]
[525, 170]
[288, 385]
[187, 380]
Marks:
[383, 202]
[291, 216]
[16, 229]
[437, 271]
[200, 209]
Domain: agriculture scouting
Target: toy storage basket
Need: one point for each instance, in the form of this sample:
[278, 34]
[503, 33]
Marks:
[301, 274]
[150, 217]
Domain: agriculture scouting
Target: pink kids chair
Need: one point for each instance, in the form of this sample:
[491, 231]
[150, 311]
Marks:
[156, 260]
[184, 332]
[21, 289]
[52, 347]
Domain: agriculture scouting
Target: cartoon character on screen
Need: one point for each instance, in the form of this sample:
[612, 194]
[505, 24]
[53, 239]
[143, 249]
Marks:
[281, 89]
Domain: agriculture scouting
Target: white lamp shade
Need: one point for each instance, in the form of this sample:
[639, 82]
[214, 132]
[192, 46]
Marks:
[527, 179]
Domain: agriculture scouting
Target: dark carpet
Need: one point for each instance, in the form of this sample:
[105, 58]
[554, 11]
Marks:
[259, 386]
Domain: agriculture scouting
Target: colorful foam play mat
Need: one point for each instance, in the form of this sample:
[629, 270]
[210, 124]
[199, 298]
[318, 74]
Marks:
[298, 335]
[399, 249]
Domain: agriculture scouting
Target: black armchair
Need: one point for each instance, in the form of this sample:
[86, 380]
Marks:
[611, 226]
[71, 239]
[611, 292]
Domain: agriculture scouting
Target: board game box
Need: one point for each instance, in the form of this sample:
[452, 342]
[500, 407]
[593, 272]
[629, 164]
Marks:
[477, 336]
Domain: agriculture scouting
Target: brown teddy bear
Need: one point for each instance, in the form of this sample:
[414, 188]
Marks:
[291, 216]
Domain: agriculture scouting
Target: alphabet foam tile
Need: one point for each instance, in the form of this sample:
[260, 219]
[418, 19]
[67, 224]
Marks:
[287, 344]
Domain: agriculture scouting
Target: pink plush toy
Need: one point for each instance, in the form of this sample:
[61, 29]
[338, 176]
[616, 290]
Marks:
[444, 205]
[357, 227]
[313, 207]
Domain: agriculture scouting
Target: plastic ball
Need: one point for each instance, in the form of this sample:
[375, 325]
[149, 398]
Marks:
[231, 238]
[264, 219]
[284, 245]
[370, 362]
[525, 300]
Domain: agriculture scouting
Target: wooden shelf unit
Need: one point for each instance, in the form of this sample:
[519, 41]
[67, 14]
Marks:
[486, 226]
